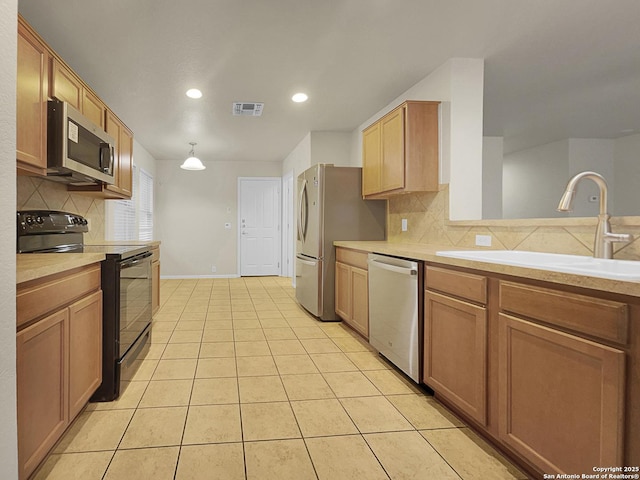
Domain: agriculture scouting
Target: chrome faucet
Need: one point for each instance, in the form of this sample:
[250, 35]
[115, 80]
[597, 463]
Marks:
[603, 245]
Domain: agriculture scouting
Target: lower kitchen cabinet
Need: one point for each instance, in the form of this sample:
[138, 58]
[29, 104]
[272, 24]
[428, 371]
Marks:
[42, 363]
[85, 351]
[560, 397]
[352, 289]
[455, 353]
[58, 357]
[455, 340]
[548, 372]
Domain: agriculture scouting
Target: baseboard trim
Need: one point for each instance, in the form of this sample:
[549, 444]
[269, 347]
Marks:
[196, 277]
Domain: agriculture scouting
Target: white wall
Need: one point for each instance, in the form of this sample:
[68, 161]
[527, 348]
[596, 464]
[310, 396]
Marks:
[492, 153]
[458, 84]
[8, 438]
[143, 159]
[191, 210]
[331, 147]
[533, 181]
[299, 159]
[626, 184]
[596, 155]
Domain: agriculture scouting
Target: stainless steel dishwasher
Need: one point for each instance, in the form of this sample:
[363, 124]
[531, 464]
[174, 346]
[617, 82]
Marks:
[394, 311]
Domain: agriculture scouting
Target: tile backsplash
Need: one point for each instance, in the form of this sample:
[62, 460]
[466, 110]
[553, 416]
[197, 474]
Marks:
[36, 193]
[427, 218]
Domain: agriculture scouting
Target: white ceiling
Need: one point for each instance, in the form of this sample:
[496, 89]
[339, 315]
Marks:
[553, 68]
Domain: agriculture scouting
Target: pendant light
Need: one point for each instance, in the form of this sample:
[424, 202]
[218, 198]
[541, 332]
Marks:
[192, 163]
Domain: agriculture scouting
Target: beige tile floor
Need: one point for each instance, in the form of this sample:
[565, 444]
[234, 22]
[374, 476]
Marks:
[241, 383]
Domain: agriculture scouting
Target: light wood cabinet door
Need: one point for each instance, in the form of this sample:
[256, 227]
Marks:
[455, 353]
[123, 158]
[112, 127]
[392, 141]
[93, 108]
[360, 300]
[85, 351]
[352, 289]
[42, 384]
[371, 160]
[560, 397]
[343, 291]
[400, 152]
[32, 90]
[65, 85]
[125, 164]
[155, 287]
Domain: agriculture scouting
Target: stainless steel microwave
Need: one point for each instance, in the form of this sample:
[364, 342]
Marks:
[79, 152]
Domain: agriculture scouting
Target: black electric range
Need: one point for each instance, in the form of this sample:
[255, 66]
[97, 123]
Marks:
[126, 290]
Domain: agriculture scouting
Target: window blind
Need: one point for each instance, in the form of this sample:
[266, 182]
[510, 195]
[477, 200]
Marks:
[145, 207]
[124, 214]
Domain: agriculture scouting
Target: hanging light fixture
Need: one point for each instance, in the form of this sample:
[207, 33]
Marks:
[192, 163]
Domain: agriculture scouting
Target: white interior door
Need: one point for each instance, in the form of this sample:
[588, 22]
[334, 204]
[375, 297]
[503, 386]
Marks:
[259, 224]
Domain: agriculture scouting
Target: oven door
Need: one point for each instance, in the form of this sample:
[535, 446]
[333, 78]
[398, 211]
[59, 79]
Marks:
[135, 299]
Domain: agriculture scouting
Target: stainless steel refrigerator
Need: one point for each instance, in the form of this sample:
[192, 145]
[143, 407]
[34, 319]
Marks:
[330, 207]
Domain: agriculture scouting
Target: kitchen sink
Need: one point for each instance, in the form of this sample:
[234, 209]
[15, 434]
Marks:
[628, 270]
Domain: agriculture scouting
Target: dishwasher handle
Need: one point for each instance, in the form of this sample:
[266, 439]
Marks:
[310, 263]
[394, 268]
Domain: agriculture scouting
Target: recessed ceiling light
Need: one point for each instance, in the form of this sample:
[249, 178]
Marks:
[194, 93]
[300, 97]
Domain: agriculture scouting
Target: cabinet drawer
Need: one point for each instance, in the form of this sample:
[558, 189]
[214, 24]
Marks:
[464, 285]
[354, 258]
[40, 297]
[596, 317]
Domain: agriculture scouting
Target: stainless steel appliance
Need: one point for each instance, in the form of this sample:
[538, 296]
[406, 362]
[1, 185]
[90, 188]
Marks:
[394, 311]
[78, 151]
[330, 207]
[126, 290]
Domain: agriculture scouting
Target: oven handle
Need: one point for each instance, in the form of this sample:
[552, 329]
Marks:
[136, 260]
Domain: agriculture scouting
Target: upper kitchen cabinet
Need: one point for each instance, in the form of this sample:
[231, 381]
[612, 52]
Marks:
[31, 109]
[41, 75]
[400, 151]
[67, 86]
[123, 156]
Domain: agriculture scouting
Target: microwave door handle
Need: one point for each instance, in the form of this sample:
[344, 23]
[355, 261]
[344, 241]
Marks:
[105, 147]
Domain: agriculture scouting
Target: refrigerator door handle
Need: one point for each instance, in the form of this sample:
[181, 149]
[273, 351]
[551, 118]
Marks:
[302, 213]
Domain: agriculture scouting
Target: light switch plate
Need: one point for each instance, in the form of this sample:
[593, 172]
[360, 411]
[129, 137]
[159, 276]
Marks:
[404, 224]
[483, 240]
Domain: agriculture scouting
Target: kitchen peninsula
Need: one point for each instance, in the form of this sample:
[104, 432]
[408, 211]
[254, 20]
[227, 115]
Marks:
[522, 338]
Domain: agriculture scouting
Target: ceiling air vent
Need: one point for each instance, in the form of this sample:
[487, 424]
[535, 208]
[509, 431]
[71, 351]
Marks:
[247, 109]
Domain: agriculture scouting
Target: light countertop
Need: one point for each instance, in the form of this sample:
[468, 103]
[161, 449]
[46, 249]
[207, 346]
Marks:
[151, 243]
[31, 266]
[427, 253]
